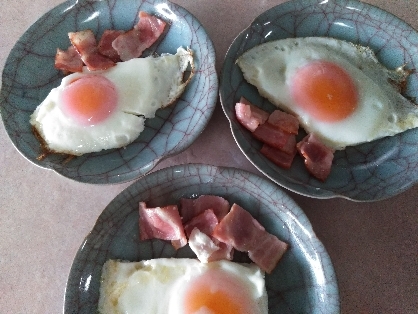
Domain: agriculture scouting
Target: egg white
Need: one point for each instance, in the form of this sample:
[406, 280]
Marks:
[157, 286]
[143, 86]
[382, 110]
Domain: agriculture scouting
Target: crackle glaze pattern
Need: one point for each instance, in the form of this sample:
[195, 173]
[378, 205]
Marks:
[303, 282]
[367, 172]
[29, 75]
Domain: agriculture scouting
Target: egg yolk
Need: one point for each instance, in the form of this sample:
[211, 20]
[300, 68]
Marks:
[89, 100]
[324, 90]
[219, 293]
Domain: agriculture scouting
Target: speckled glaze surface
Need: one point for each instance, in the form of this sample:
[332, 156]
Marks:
[367, 172]
[303, 282]
[170, 132]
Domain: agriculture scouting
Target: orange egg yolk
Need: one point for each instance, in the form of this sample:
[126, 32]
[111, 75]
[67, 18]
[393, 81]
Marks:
[89, 100]
[325, 91]
[218, 292]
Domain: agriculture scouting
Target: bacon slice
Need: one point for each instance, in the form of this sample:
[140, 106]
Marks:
[248, 115]
[202, 245]
[86, 45]
[284, 121]
[208, 249]
[318, 157]
[205, 222]
[199, 230]
[133, 43]
[225, 251]
[68, 60]
[190, 208]
[278, 156]
[271, 135]
[290, 146]
[245, 234]
[268, 252]
[105, 44]
[161, 223]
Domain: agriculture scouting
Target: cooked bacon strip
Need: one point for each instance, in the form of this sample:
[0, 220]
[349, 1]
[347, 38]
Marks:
[271, 135]
[68, 60]
[248, 115]
[161, 223]
[245, 234]
[205, 222]
[86, 45]
[133, 43]
[278, 156]
[318, 157]
[105, 44]
[190, 208]
[284, 121]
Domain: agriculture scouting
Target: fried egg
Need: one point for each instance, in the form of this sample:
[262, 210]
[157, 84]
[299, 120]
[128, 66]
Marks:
[182, 286]
[95, 110]
[339, 91]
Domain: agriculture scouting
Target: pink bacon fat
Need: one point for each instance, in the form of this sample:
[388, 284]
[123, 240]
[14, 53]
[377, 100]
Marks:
[209, 249]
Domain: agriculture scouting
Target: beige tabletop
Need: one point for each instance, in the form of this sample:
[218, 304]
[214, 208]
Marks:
[44, 217]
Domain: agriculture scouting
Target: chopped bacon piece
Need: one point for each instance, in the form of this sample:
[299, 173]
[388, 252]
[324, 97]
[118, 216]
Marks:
[68, 60]
[248, 115]
[208, 249]
[225, 251]
[205, 222]
[271, 135]
[105, 44]
[278, 156]
[161, 223]
[239, 228]
[202, 245]
[318, 157]
[284, 121]
[268, 252]
[190, 208]
[133, 43]
[128, 45]
[290, 146]
[86, 45]
[246, 234]
[150, 27]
